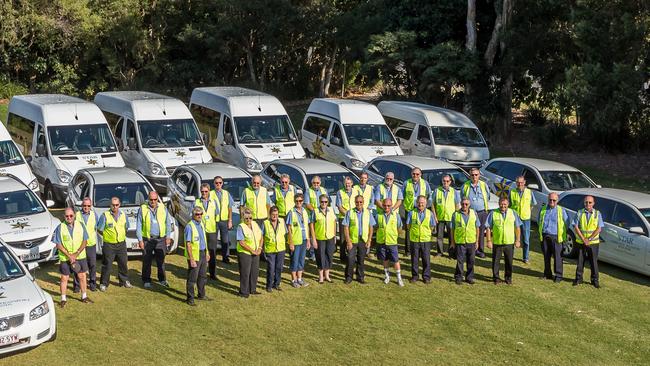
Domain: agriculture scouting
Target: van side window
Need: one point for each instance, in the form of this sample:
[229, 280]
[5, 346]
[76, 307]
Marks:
[40, 139]
[22, 132]
[423, 135]
[511, 171]
[317, 126]
[531, 178]
[606, 208]
[404, 133]
[228, 130]
[494, 167]
[208, 122]
[572, 202]
[118, 129]
[130, 134]
[626, 218]
[336, 132]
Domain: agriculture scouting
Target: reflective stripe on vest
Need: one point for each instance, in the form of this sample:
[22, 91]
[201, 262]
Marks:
[420, 232]
[445, 207]
[251, 237]
[223, 203]
[354, 225]
[346, 201]
[91, 227]
[503, 231]
[325, 224]
[367, 194]
[394, 193]
[161, 215]
[209, 215]
[257, 202]
[387, 231]
[409, 194]
[296, 230]
[561, 231]
[482, 186]
[196, 240]
[587, 228]
[114, 232]
[73, 242]
[521, 204]
[284, 203]
[274, 239]
[465, 233]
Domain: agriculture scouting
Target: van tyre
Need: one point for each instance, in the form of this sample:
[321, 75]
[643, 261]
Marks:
[569, 249]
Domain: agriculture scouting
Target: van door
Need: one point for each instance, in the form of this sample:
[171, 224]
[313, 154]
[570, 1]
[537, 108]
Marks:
[629, 248]
[227, 148]
[609, 234]
[423, 145]
[41, 164]
[132, 155]
[334, 146]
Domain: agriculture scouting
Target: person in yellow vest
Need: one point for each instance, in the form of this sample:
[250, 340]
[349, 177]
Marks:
[323, 236]
[298, 221]
[366, 190]
[210, 217]
[419, 228]
[522, 201]
[249, 249]
[587, 225]
[389, 223]
[414, 187]
[197, 255]
[88, 218]
[464, 238]
[71, 238]
[283, 195]
[257, 199]
[446, 200]
[113, 226]
[225, 204]
[153, 230]
[503, 228]
[358, 226]
[275, 246]
[553, 221]
[311, 203]
[479, 195]
[388, 190]
[344, 202]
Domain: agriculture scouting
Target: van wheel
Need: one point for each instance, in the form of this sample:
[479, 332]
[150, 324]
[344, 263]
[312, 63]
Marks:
[569, 249]
[48, 194]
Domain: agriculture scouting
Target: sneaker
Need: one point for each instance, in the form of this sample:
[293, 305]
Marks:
[76, 290]
[102, 288]
[127, 284]
[387, 279]
[147, 285]
[303, 283]
[400, 282]
[62, 303]
[459, 281]
[576, 282]
[471, 282]
[295, 284]
[557, 280]
[164, 283]
[87, 300]
[596, 284]
[190, 302]
[413, 280]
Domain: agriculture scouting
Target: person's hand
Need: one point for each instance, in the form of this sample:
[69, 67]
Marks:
[476, 246]
[517, 244]
[229, 224]
[348, 245]
[72, 257]
[168, 241]
[452, 246]
[489, 244]
[292, 247]
[587, 243]
[368, 244]
[207, 255]
[315, 244]
[192, 263]
[308, 245]
[141, 244]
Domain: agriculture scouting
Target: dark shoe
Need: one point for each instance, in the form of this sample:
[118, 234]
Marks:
[498, 281]
[576, 282]
[204, 298]
[226, 260]
[471, 282]
[93, 288]
[87, 300]
[508, 281]
[190, 302]
[268, 289]
[596, 284]
[413, 280]
[545, 277]
[427, 281]
[362, 281]
[62, 303]
[256, 293]
[480, 254]
[557, 280]
[277, 288]
[459, 281]
[348, 281]
[214, 278]
[243, 296]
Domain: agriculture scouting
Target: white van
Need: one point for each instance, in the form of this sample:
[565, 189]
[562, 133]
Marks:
[154, 133]
[13, 162]
[246, 128]
[424, 130]
[62, 134]
[346, 132]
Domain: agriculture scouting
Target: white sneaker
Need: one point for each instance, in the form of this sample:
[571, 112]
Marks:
[147, 285]
[127, 284]
[387, 280]
[102, 288]
[400, 282]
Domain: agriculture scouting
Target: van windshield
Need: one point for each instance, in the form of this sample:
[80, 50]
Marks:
[434, 177]
[169, 133]
[19, 203]
[373, 135]
[457, 136]
[81, 139]
[130, 194]
[9, 154]
[332, 182]
[564, 181]
[646, 213]
[264, 129]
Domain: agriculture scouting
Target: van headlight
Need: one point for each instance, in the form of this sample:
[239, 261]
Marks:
[64, 177]
[252, 164]
[33, 185]
[156, 169]
[356, 163]
[39, 311]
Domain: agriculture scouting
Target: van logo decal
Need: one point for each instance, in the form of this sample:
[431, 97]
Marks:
[28, 244]
[379, 152]
[502, 188]
[275, 150]
[132, 214]
[92, 162]
[19, 225]
[180, 153]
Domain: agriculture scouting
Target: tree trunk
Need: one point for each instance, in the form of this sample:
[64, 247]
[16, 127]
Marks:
[251, 66]
[321, 81]
[505, 117]
[328, 74]
[470, 45]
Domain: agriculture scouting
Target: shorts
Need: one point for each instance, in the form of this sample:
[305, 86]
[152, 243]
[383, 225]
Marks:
[65, 268]
[387, 253]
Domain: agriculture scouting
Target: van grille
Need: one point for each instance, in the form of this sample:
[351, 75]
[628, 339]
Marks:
[13, 321]
[26, 244]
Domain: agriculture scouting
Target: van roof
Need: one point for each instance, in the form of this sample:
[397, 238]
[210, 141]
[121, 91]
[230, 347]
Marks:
[56, 109]
[9, 183]
[142, 105]
[236, 101]
[638, 199]
[115, 175]
[346, 111]
[424, 114]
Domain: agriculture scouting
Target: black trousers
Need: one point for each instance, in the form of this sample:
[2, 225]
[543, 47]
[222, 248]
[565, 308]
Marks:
[212, 249]
[249, 270]
[91, 280]
[356, 255]
[274, 264]
[343, 256]
[407, 240]
[465, 253]
[110, 253]
[441, 228]
[153, 249]
[222, 229]
[421, 251]
[551, 248]
[325, 253]
[507, 251]
[482, 217]
[589, 253]
[197, 277]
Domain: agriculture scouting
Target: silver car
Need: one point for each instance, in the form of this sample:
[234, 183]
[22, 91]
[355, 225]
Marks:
[625, 239]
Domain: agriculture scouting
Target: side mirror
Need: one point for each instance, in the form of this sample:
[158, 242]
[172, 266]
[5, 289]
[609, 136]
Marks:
[166, 199]
[189, 199]
[49, 203]
[534, 186]
[599, 186]
[335, 140]
[31, 266]
[28, 159]
[636, 230]
[227, 139]
[40, 150]
[132, 144]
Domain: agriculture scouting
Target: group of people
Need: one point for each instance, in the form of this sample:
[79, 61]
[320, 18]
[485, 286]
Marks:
[306, 223]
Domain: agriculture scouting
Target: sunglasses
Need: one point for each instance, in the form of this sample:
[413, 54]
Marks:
[115, 205]
[69, 216]
[248, 218]
[415, 174]
[298, 201]
[285, 182]
[218, 182]
[198, 214]
[323, 201]
[153, 199]
[86, 206]
[588, 203]
[205, 191]
[475, 175]
[551, 200]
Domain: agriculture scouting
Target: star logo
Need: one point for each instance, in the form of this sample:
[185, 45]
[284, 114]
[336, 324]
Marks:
[502, 188]
[180, 153]
[379, 152]
[4, 324]
[132, 214]
[92, 162]
[275, 150]
[19, 225]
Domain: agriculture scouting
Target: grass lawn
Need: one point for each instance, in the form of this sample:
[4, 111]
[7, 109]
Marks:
[531, 322]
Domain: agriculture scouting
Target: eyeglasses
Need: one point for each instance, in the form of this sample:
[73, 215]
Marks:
[256, 183]
[153, 199]
[446, 181]
[521, 183]
[465, 203]
[552, 200]
[218, 183]
[205, 191]
[299, 201]
[115, 205]
[475, 174]
[323, 201]
[415, 174]
[69, 216]
[85, 206]
[248, 218]
[389, 178]
[359, 202]
[285, 182]
[198, 214]
[588, 203]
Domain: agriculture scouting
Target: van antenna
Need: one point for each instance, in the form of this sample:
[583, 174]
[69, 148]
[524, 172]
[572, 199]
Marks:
[76, 117]
[164, 111]
[259, 102]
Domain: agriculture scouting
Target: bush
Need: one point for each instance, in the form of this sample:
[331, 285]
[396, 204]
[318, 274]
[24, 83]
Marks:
[9, 88]
[554, 134]
[535, 117]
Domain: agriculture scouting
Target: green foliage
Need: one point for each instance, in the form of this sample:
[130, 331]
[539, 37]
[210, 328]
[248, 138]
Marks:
[10, 88]
[556, 134]
[535, 116]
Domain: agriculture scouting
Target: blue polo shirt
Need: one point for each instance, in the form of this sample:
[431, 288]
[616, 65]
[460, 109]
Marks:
[346, 220]
[155, 225]
[101, 222]
[339, 199]
[389, 193]
[476, 197]
[549, 226]
[488, 221]
[444, 193]
[56, 236]
[399, 219]
[576, 219]
[242, 199]
[188, 234]
[421, 214]
[289, 220]
[465, 218]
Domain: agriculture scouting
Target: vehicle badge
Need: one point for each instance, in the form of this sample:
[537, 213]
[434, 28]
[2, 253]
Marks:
[180, 153]
[4, 324]
[19, 225]
[92, 162]
[28, 244]
[379, 152]
[275, 150]
[132, 214]
[502, 187]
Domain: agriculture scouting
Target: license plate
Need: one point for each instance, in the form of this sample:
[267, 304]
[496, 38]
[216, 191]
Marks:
[29, 256]
[134, 245]
[8, 339]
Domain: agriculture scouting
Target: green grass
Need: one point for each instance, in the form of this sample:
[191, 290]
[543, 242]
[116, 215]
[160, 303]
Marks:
[4, 108]
[531, 322]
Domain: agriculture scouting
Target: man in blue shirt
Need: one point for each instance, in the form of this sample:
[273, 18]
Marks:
[224, 223]
[152, 240]
[587, 225]
[387, 190]
[421, 245]
[505, 240]
[465, 248]
[196, 267]
[68, 254]
[479, 196]
[88, 216]
[357, 243]
[553, 221]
